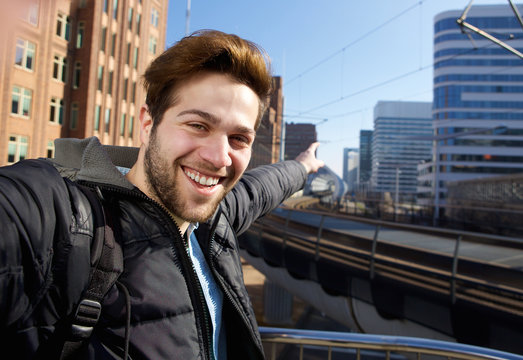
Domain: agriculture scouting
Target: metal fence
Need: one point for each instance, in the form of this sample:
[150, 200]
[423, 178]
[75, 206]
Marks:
[280, 344]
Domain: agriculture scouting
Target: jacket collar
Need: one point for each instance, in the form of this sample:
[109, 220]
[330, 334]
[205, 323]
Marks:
[95, 162]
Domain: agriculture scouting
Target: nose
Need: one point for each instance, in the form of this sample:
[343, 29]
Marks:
[216, 151]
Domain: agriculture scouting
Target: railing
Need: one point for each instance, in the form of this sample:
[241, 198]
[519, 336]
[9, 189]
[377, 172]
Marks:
[309, 344]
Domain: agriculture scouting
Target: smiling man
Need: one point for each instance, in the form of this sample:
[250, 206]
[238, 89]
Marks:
[175, 205]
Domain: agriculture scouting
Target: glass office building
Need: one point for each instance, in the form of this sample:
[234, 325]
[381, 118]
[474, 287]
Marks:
[477, 85]
[394, 156]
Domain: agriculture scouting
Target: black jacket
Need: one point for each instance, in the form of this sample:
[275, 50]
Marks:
[42, 273]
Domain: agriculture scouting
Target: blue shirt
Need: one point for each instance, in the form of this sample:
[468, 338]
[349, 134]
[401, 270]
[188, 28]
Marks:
[211, 291]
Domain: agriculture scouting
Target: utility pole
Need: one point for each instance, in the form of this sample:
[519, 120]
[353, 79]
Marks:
[187, 17]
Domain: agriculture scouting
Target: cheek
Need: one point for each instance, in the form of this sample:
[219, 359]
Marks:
[241, 161]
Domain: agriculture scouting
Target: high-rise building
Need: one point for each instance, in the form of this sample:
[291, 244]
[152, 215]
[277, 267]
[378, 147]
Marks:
[351, 161]
[394, 156]
[72, 68]
[477, 85]
[365, 164]
[298, 137]
[267, 145]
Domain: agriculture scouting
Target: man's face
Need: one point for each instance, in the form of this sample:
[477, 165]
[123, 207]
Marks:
[202, 146]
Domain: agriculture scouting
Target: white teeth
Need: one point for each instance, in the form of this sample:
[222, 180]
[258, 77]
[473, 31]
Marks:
[202, 180]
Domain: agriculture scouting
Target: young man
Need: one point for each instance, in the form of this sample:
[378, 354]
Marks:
[176, 214]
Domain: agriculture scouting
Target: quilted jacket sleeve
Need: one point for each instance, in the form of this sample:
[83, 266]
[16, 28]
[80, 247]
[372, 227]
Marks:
[261, 190]
[35, 221]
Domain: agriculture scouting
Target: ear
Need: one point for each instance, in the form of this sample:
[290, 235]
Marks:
[146, 124]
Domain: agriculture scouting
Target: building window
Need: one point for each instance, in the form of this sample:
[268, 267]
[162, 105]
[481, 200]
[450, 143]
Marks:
[50, 149]
[110, 83]
[128, 53]
[131, 124]
[76, 74]
[138, 22]
[133, 94]
[115, 9]
[100, 77]
[60, 68]
[63, 26]
[56, 112]
[152, 44]
[80, 35]
[130, 19]
[125, 86]
[16, 149]
[74, 116]
[21, 101]
[154, 17]
[25, 54]
[122, 125]
[107, 120]
[113, 44]
[97, 112]
[103, 39]
[135, 58]
[106, 5]
[31, 12]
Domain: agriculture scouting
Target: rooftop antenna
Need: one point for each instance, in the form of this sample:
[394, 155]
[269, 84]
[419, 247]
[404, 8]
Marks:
[465, 25]
[187, 17]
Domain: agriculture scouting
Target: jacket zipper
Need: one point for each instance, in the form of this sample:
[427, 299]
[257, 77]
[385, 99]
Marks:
[226, 290]
[200, 306]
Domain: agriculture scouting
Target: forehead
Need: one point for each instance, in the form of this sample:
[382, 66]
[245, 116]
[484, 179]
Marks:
[218, 95]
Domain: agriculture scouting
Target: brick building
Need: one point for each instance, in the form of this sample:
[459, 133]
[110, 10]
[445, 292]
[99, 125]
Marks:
[267, 145]
[72, 68]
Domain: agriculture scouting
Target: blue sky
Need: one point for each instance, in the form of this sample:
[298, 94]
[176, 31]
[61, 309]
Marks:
[338, 58]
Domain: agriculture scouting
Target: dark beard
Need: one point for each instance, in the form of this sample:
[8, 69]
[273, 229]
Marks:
[162, 184]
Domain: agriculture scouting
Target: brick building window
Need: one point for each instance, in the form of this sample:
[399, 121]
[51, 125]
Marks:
[135, 58]
[138, 22]
[122, 125]
[155, 15]
[16, 148]
[115, 9]
[60, 68]
[100, 77]
[56, 111]
[97, 113]
[152, 44]
[107, 120]
[73, 124]
[50, 149]
[103, 38]
[80, 35]
[76, 74]
[131, 124]
[21, 101]
[63, 26]
[130, 18]
[25, 54]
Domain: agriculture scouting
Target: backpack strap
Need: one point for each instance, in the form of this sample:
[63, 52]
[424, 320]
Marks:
[106, 267]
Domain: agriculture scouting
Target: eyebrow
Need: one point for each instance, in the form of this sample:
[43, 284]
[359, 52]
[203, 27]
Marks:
[215, 120]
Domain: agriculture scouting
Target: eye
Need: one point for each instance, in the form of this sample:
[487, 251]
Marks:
[240, 140]
[197, 126]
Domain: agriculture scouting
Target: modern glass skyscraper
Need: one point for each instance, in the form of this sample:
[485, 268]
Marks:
[477, 85]
[392, 153]
[365, 156]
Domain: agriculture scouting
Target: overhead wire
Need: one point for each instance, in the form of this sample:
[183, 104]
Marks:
[353, 42]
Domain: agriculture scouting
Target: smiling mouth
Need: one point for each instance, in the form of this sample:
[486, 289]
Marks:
[204, 180]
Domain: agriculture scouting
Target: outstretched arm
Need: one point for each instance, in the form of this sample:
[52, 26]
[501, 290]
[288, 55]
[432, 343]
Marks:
[262, 189]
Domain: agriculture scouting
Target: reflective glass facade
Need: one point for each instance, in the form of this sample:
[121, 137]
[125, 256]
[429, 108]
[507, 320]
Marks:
[477, 85]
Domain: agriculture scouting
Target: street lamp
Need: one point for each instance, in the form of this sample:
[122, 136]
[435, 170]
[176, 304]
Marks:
[496, 130]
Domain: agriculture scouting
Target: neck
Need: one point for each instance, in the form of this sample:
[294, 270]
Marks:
[139, 182]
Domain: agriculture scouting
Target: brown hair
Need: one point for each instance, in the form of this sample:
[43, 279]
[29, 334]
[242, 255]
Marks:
[206, 50]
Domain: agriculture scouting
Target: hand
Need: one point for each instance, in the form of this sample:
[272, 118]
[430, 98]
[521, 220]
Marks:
[308, 159]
